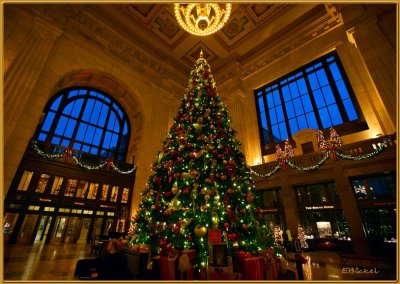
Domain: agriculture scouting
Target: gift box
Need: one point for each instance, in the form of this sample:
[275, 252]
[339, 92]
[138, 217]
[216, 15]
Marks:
[167, 266]
[254, 268]
[272, 270]
[185, 264]
[222, 272]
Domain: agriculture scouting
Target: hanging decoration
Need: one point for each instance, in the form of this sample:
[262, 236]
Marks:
[68, 153]
[301, 236]
[330, 149]
[280, 158]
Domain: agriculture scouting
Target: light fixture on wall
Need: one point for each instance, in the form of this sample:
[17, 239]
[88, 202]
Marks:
[202, 19]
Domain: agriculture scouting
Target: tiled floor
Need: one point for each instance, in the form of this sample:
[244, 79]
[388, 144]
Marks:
[57, 262]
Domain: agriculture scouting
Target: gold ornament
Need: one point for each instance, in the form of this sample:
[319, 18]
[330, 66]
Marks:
[200, 231]
[174, 188]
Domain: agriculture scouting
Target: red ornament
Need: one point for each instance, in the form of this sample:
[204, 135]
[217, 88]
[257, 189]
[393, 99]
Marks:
[179, 160]
[168, 193]
[177, 175]
[231, 236]
[227, 225]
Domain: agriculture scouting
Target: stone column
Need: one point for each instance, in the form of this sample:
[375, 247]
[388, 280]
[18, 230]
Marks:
[289, 205]
[20, 80]
[377, 53]
[21, 76]
[351, 213]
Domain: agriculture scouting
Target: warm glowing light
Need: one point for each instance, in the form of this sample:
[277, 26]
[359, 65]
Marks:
[202, 19]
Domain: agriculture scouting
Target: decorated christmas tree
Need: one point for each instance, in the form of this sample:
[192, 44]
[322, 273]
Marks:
[200, 181]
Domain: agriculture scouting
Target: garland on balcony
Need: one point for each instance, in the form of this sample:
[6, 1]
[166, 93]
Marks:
[69, 153]
[330, 149]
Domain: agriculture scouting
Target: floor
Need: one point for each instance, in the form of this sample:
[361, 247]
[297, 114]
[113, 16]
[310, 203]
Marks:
[57, 262]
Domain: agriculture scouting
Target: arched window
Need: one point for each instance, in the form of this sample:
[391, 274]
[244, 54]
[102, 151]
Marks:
[86, 121]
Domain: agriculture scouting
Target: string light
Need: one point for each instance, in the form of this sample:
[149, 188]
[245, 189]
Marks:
[78, 162]
[380, 148]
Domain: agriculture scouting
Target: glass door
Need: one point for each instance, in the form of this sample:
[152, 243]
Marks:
[73, 230]
[59, 229]
[26, 234]
[84, 230]
[43, 228]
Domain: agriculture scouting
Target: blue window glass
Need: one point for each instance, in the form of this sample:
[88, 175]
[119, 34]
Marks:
[88, 110]
[48, 121]
[62, 123]
[351, 111]
[290, 109]
[323, 80]
[77, 108]
[73, 93]
[69, 131]
[111, 121]
[56, 104]
[312, 121]
[97, 136]
[313, 81]
[103, 116]
[89, 134]
[79, 119]
[82, 92]
[318, 96]
[42, 137]
[307, 103]
[68, 109]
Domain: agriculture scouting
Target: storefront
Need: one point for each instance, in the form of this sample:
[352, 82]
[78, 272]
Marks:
[376, 198]
[58, 202]
[272, 211]
[322, 218]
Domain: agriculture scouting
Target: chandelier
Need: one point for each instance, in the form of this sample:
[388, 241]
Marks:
[202, 19]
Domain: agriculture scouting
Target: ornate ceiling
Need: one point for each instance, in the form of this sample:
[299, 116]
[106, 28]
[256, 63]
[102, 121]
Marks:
[251, 29]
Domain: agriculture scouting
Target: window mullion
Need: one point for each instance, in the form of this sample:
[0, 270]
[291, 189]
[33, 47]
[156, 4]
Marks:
[289, 132]
[79, 120]
[312, 99]
[270, 136]
[335, 91]
[105, 129]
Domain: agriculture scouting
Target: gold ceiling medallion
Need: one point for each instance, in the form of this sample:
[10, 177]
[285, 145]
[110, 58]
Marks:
[202, 19]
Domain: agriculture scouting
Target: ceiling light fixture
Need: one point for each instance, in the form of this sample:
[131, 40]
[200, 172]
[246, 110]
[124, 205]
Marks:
[202, 19]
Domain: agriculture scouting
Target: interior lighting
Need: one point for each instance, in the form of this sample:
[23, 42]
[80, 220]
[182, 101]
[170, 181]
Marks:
[202, 19]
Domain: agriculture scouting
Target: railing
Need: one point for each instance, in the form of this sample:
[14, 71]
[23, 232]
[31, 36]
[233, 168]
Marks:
[312, 161]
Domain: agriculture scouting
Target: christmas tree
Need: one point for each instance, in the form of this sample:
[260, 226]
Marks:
[200, 181]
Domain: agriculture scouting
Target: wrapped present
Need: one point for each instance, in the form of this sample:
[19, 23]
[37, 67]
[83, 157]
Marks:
[219, 274]
[185, 267]
[167, 266]
[237, 276]
[222, 272]
[254, 268]
[272, 269]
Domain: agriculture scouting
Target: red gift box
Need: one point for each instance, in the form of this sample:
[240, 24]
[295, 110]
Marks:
[219, 274]
[272, 270]
[254, 268]
[168, 267]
